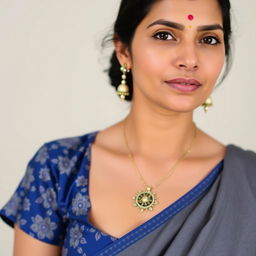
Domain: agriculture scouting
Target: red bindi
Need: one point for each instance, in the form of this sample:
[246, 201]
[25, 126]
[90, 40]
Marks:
[190, 17]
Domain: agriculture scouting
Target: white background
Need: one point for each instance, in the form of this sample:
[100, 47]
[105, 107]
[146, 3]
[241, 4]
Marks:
[52, 84]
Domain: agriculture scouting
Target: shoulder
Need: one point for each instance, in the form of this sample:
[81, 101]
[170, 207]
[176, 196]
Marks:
[70, 144]
[58, 170]
[60, 159]
[53, 188]
[232, 154]
[240, 167]
[240, 155]
[68, 149]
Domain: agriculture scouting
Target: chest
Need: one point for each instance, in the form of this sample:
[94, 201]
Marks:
[113, 182]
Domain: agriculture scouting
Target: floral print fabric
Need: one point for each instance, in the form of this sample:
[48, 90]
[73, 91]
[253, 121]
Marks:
[52, 203]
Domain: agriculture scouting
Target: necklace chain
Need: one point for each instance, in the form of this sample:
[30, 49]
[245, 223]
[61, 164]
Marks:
[171, 171]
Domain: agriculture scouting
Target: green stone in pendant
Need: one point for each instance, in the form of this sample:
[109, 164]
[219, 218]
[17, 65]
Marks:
[145, 200]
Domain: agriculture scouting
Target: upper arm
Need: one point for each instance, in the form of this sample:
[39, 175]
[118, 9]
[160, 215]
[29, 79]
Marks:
[39, 208]
[34, 206]
[26, 245]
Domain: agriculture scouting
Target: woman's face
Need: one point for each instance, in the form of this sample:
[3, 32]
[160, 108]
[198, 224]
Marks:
[162, 51]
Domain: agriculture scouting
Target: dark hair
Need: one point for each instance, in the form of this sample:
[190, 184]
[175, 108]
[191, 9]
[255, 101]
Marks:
[130, 15]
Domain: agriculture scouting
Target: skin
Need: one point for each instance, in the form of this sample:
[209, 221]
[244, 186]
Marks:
[25, 245]
[168, 114]
[159, 126]
[155, 61]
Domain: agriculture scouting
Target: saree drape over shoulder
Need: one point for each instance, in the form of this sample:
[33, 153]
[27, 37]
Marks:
[215, 218]
[220, 222]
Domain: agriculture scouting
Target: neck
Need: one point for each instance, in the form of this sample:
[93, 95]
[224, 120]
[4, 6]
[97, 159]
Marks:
[158, 135]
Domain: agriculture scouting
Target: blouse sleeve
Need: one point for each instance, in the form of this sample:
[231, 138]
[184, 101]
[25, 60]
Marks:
[33, 206]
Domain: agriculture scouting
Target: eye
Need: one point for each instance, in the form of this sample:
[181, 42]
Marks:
[211, 40]
[163, 35]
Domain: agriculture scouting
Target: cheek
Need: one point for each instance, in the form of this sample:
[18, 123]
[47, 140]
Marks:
[148, 61]
[147, 57]
[213, 64]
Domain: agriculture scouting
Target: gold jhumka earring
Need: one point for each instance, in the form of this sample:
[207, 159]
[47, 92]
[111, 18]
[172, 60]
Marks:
[207, 104]
[123, 89]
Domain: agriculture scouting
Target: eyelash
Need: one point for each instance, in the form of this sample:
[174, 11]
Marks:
[164, 33]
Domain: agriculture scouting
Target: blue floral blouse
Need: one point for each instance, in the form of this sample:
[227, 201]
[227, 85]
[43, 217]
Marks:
[52, 202]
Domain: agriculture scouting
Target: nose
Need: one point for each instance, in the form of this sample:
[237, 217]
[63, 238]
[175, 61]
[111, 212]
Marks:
[187, 57]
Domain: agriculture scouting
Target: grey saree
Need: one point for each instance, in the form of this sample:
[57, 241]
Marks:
[219, 221]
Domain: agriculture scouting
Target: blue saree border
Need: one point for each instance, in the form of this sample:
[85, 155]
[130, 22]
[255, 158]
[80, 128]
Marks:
[138, 233]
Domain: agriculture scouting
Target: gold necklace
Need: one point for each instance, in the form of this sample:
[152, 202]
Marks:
[146, 199]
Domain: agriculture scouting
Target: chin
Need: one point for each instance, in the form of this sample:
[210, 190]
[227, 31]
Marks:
[181, 106]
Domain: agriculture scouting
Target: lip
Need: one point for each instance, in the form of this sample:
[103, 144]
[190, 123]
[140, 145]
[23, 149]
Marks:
[183, 84]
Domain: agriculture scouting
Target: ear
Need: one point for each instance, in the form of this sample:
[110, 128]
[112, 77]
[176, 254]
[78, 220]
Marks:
[123, 54]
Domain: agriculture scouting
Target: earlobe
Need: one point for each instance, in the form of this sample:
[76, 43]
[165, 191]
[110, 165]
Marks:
[122, 53]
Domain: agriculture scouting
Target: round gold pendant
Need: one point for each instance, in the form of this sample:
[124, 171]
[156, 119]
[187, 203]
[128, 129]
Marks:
[145, 200]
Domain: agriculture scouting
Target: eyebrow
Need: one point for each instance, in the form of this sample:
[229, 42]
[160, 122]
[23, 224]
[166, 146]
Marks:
[182, 27]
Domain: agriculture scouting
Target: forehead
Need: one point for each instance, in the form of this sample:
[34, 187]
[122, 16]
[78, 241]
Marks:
[203, 11]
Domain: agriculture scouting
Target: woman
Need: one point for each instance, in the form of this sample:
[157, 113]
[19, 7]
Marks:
[154, 183]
